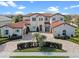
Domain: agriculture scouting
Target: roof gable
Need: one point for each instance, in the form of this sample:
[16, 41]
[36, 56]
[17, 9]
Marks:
[40, 14]
[59, 23]
[56, 24]
[20, 24]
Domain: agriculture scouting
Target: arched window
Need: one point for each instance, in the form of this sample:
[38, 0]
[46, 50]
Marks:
[53, 19]
[64, 32]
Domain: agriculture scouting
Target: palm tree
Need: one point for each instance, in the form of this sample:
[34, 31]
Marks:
[40, 39]
[17, 18]
[36, 36]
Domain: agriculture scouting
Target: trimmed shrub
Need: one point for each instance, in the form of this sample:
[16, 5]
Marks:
[34, 44]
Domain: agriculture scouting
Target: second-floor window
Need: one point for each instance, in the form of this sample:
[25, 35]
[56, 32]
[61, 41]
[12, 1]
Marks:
[61, 19]
[53, 19]
[40, 19]
[46, 18]
[33, 19]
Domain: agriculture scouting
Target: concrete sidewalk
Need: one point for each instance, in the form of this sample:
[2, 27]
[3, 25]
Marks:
[69, 54]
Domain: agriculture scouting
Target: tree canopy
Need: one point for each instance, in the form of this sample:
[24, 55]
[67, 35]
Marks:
[17, 18]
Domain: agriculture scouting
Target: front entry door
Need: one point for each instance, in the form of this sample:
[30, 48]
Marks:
[40, 27]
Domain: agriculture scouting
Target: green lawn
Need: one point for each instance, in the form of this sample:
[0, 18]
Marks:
[40, 50]
[75, 39]
[39, 57]
[3, 40]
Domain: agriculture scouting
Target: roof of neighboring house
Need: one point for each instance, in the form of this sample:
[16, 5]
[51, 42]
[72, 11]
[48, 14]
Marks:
[4, 18]
[20, 24]
[58, 23]
[30, 14]
[58, 14]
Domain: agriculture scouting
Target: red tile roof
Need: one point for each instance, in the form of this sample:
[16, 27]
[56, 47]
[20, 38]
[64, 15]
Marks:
[20, 24]
[45, 14]
[56, 24]
[40, 14]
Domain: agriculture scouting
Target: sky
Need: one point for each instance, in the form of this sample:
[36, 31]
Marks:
[25, 7]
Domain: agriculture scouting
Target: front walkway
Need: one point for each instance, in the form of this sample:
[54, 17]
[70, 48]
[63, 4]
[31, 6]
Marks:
[72, 49]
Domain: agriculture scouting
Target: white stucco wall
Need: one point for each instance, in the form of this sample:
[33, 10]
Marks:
[18, 33]
[6, 28]
[33, 23]
[57, 17]
[41, 23]
[36, 23]
[11, 31]
[69, 30]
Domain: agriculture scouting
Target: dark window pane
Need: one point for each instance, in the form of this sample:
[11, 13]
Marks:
[33, 19]
[6, 32]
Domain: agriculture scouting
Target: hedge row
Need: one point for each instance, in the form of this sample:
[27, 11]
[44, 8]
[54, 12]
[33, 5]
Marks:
[34, 44]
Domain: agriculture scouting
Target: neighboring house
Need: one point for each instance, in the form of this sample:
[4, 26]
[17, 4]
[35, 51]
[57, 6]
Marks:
[60, 29]
[4, 20]
[39, 21]
[18, 28]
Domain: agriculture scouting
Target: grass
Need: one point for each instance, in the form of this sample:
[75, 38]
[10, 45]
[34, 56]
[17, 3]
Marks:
[75, 39]
[3, 40]
[39, 57]
[40, 50]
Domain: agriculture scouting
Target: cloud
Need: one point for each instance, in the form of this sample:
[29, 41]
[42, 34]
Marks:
[74, 6]
[8, 13]
[65, 8]
[39, 12]
[8, 3]
[19, 12]
[53, 9]
[11, 3]
[31, 1]
[3, 3]
[70, 7]
[21, 7]
[65, 13]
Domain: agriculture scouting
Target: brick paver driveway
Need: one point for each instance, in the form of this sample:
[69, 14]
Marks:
[12, 45]
[67, 45]
[70, 47]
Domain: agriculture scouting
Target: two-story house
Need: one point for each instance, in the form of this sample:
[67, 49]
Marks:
[39, 21]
